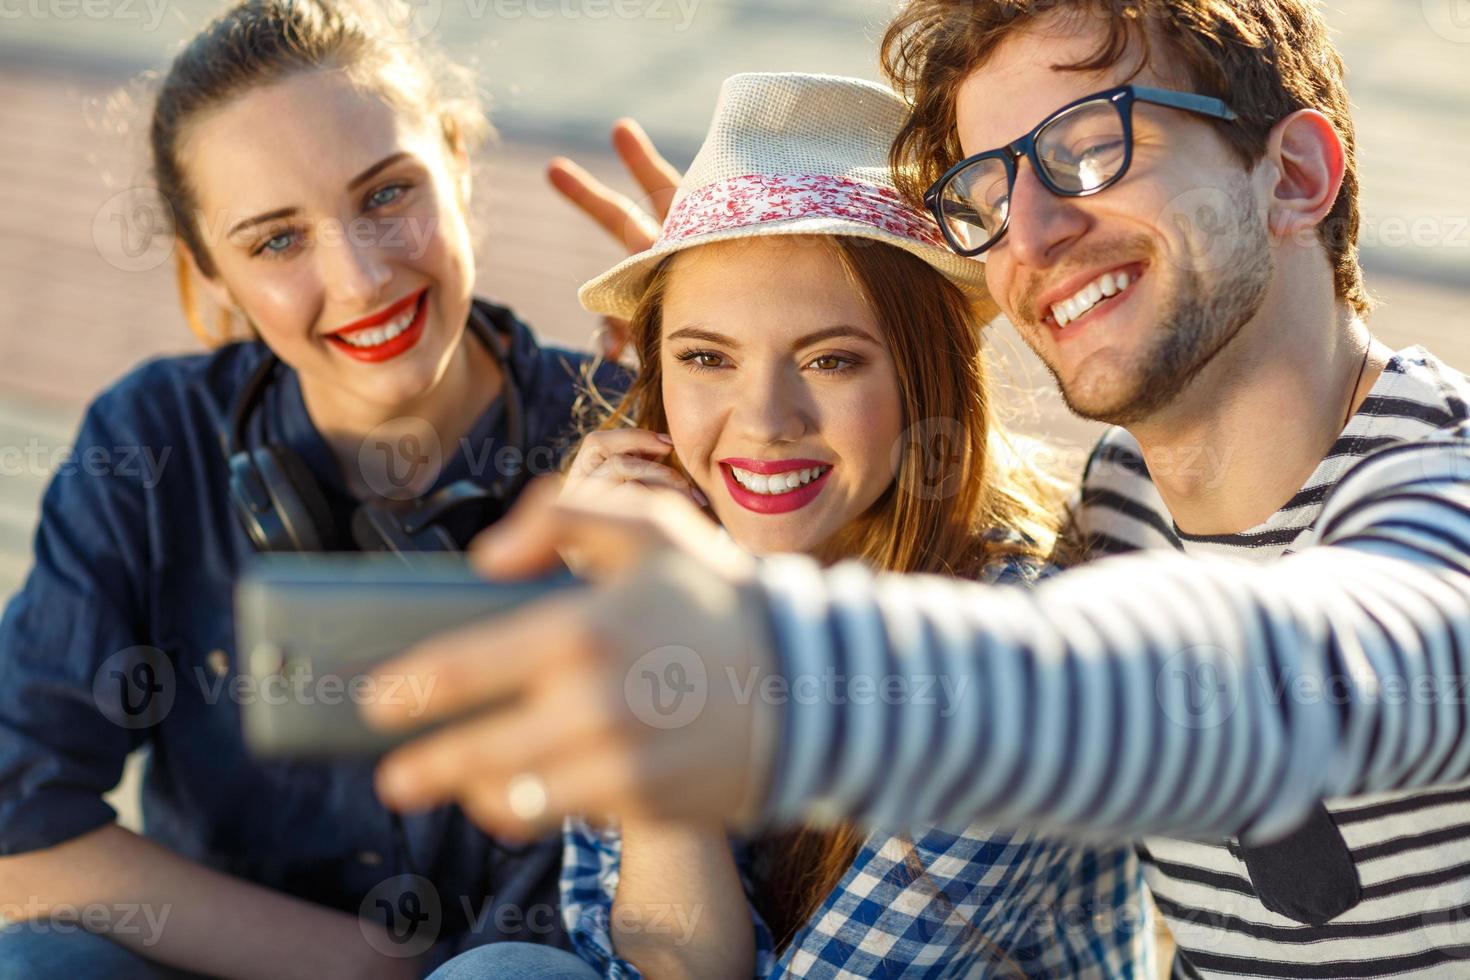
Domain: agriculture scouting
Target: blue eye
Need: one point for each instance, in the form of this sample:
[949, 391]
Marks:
[386, 195]
[276, 245]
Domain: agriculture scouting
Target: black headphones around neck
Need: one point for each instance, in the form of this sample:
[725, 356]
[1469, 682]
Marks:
[283, 508]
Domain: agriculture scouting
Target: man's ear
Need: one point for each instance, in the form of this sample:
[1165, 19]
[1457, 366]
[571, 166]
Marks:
[1310, 161]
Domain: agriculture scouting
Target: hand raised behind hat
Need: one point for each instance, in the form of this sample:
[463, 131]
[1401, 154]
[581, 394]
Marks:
[632, 224]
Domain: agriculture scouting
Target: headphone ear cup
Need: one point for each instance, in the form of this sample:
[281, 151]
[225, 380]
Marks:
[374, 529]
[378, 528]
[297, 499]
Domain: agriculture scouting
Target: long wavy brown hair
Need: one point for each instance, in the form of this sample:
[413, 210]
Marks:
[962, 498]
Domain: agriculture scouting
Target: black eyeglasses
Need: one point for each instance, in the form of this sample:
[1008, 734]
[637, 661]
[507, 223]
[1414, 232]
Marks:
[1080, 149]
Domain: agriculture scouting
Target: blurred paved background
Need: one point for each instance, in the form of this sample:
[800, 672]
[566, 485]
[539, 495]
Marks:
[82, 298]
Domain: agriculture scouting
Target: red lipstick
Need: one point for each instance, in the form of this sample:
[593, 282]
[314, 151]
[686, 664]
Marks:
[774, 503]
[388, 349]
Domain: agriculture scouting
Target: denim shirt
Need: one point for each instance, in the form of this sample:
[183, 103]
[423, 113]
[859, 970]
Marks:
[138, 545]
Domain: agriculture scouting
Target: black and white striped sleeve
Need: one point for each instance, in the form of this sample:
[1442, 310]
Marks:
[1154, 693]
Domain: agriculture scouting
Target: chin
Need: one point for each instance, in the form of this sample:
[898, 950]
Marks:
[405, 386]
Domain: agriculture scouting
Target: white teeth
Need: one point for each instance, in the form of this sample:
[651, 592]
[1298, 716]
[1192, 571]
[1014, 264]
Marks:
[380, 335]
[1108, 284]
[776, 483]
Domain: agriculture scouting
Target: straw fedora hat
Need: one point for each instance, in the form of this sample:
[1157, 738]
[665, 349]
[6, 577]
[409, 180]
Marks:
[790, 154]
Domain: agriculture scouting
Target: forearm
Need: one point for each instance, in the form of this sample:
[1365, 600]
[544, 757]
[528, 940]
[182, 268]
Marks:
[1146, 694]
[180, 913]
[680, 909]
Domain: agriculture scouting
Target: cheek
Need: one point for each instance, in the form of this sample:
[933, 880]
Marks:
[283, 304]
[862, 423]
[693, 412]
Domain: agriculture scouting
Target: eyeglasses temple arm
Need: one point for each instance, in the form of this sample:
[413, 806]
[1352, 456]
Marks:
[1188, 101]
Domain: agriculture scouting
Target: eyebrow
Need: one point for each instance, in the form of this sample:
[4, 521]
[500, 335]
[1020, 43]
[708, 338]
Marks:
[806, 340]
[352, 184]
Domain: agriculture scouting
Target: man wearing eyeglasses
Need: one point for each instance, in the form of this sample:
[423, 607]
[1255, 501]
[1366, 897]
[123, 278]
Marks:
[1266, 690]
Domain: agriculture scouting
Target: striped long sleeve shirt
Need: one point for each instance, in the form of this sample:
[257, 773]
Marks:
[1204, 697]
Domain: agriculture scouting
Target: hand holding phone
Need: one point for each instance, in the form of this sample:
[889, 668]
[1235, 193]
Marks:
[310, 629]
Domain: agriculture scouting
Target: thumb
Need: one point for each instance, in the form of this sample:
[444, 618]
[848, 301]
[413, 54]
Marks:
[523, 543]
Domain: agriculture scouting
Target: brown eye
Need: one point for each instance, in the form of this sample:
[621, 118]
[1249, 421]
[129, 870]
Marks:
[831, 363]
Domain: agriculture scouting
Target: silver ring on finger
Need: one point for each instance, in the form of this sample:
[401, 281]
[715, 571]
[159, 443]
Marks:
[527, 797]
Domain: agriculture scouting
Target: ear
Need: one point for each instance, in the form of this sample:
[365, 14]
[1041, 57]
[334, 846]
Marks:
[1310, 160]
[215, 287]
[460, 155]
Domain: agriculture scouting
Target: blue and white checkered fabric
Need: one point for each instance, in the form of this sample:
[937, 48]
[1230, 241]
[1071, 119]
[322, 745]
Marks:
[938, 904]
[928, 903]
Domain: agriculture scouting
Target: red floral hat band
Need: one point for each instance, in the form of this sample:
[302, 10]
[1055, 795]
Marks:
[756, 199]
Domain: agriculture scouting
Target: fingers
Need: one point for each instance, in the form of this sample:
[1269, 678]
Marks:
[597, 778]
[627, 468]
[603, 445]
[629, 473]
[615, 213]
[522, 544]
[494, 745]
[658, 178]
[477, 665]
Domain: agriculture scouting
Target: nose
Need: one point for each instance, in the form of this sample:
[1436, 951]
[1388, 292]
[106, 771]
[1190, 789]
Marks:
[356, 272]
[1042, 224]
[775, 408]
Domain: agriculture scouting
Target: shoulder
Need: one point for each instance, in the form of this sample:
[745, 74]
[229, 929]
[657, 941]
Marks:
[165, 395]
[542, 364]
[1422, 386]
[1119, 508]
[1433, 400]
[1116, 461]
[1013, 569]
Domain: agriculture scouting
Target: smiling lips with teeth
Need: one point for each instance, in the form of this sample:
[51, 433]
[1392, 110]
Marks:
[384, 335]
[774, 487]
[1105, 287]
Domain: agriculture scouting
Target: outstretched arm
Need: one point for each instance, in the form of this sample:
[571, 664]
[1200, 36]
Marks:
[1151, 693]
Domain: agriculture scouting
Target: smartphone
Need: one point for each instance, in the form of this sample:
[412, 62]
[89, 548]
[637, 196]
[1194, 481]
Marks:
[310, 629]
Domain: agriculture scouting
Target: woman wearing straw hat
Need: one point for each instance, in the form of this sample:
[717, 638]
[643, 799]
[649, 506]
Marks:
[811, 373]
